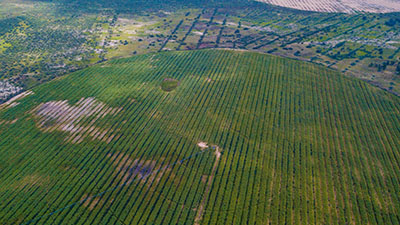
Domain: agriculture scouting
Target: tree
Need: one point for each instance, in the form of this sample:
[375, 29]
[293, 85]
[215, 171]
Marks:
[390, 22]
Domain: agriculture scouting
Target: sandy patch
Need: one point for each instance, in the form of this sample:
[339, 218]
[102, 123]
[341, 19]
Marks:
[12, 102]
[202, 145]
[217, 153]
[61, 116]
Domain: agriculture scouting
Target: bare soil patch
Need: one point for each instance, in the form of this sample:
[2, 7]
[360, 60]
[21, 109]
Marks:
[74, 119]
[202, 145]
[13, 101]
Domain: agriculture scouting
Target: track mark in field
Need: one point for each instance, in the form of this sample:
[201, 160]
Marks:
[199, 43]
[209, 183]
[76, 120]
[170, 36]
[196, 20]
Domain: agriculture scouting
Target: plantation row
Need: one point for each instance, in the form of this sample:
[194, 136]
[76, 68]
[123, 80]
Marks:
[300, 144]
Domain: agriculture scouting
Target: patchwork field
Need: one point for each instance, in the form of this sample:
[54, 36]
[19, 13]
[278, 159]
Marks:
[346, 6]
[201, 137]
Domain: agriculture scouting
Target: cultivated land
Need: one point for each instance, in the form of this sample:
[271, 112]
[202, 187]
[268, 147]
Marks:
[346, 6]
[244, 138]
[75, 34]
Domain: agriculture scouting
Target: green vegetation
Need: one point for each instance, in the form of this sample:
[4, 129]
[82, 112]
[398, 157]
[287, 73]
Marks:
[75, 34]
[246, 138]
[169, 84]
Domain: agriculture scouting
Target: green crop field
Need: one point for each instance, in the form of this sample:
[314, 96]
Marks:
[245, 138]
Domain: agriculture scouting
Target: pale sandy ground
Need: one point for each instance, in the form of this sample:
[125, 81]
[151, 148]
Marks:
[202, 145]
[77, 120]
[12, 103]
[346, 6]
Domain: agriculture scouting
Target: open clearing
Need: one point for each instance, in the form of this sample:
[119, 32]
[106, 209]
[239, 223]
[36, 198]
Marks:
[300, 144]
[346, 6]
[169, 84]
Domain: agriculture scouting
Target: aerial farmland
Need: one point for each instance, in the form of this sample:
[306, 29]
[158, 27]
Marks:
[199, 112]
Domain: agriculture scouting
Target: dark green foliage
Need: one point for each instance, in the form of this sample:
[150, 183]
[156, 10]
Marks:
[8, 24]
[169, 84]
[391, 22]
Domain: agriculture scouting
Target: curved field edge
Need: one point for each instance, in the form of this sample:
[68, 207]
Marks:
[296, 143]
